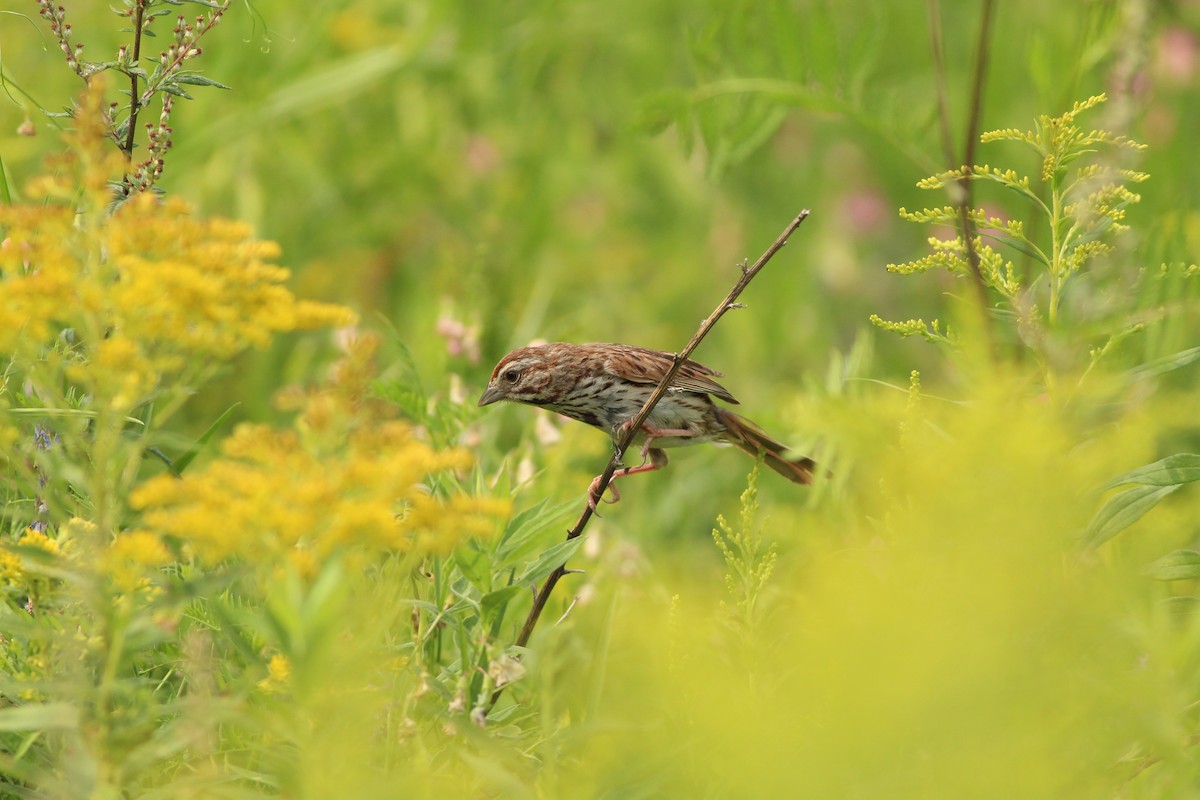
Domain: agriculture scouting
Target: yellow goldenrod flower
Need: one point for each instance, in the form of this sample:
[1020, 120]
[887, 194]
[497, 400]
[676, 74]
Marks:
[345, 479]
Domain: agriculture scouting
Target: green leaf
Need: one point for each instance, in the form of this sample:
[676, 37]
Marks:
[335, 83]
[1160, 366]
[1122, 510]
[40, 717]
[1177, 566]
[5, 192]
[493, 604]
[172, 88]
[1171, 471]
[1020, 245]
[196, 79]
[549, 561]
[474, 565]
[184, 460]
[524, 528]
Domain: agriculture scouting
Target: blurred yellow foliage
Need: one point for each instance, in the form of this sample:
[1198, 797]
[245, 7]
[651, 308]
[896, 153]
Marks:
[949, 640]
[334, 482]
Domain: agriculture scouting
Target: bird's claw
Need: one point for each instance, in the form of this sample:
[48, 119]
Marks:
[594, 497]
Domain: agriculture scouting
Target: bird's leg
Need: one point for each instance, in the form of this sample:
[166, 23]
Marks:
[652, 433]
[658, 460]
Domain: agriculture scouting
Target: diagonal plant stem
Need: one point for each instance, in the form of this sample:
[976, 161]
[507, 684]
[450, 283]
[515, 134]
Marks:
[748, 273]
[963, 195]
[972, 138]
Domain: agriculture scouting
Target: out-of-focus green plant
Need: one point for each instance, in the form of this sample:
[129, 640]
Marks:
[166, 79]
[749, 561]
[1081, 204]
[298, 615]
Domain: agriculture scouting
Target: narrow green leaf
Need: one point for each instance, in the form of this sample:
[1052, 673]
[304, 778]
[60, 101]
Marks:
[40, 717]
[1170, 471]
[524, 528]
[1122, 510]
[5, 193]
[335, 82]
[173, 88]
[1177, 566]
[184, 460]
[1161, 366]
[548, 561]
[1020, 245]
[196, 79]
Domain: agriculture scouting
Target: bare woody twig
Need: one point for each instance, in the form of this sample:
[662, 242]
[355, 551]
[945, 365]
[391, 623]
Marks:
[748, 273]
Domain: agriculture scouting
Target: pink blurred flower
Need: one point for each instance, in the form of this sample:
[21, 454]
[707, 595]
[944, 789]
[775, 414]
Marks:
[462, 340]
[865, 211]
[1176, 54]
[481, 156]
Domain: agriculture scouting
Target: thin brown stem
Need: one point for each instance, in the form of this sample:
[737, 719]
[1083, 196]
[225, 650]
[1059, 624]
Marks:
[963, 196]
[630, 430]
[139, 8]
[939, 80]
[966, 201]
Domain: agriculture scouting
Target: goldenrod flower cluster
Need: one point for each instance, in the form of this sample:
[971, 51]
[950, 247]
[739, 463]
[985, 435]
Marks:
[146, 294]
[342, 479]
[153, 292]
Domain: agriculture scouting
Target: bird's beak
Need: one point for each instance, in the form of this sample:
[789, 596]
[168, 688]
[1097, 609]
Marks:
[490, 396]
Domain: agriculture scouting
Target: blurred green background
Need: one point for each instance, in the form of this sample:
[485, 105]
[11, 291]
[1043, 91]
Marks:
[475, 175]
[594, 172]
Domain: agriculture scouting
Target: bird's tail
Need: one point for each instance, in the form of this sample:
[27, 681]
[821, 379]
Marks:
[745, 435]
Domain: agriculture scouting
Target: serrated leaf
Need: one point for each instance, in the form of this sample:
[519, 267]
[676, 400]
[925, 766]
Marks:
[1177, 566]
[1170, 471]
[40, 717]
[1122, 510]
[548, 561]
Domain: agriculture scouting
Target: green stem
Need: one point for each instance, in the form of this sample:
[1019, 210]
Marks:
[1056, 255]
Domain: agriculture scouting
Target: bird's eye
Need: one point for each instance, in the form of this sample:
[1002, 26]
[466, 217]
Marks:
[511, 376]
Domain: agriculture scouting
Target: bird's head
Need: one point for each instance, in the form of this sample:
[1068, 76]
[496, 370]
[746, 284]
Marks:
[524, 376]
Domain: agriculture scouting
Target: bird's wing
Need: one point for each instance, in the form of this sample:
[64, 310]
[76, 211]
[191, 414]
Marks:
[649, 366]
